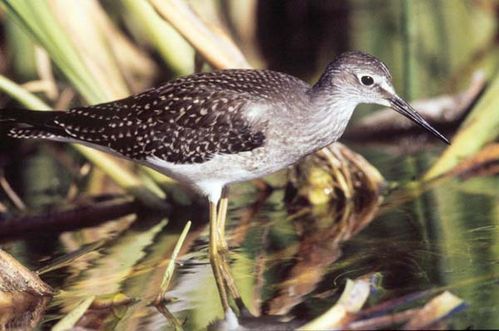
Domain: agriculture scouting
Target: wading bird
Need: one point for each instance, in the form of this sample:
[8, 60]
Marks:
[209, 130]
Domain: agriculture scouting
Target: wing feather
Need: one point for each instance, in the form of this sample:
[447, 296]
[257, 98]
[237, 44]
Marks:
[184, 121]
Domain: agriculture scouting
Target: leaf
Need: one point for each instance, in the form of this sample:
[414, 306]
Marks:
[170, 268]
[214, 45]
[174, 49]
[44, 28]
[480, 128]
[435, 310]
[351, 301]
[69, 321]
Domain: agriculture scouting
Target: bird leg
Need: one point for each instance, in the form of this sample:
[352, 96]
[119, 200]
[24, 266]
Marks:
[222, 216]
[224, 251]
[215, 258]
[219, 254]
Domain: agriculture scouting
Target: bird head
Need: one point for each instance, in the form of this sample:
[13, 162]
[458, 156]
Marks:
[365, 79]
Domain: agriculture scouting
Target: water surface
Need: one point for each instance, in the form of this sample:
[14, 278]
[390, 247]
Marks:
[289, 259]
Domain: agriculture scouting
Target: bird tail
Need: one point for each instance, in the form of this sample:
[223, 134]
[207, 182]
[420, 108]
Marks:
[23, 123]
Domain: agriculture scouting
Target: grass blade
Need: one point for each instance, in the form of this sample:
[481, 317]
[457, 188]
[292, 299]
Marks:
[69, 321]
[171, 265]
[175, 51]
[40, 22]
[216, 48]
[480, 128]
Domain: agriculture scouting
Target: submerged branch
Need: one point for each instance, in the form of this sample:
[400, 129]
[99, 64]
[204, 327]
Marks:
[17, 278]
[63, 220]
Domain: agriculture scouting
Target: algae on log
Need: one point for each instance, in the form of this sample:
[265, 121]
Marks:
[332, 173]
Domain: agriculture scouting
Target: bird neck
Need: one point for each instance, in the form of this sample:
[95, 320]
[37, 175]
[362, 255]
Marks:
[329, 113]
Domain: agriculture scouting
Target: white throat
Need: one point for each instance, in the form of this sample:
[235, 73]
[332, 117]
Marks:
[330, 120]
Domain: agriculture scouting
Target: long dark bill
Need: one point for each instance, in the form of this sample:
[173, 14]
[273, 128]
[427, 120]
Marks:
[405, 109]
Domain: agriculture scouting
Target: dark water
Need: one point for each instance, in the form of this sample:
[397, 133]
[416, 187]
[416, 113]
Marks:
[289, 260]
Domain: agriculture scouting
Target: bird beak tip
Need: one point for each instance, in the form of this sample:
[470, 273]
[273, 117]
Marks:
[402, 107]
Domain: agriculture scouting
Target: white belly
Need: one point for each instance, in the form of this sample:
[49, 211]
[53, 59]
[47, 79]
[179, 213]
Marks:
[222, 169]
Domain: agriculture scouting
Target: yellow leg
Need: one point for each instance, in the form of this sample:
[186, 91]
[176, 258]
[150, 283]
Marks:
[222, 216]
[215, 260]
[223, 247]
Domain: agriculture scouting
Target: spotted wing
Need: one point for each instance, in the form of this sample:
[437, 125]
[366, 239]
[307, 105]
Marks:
[179, 122]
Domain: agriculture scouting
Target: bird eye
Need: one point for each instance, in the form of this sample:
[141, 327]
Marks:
[367, 80]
